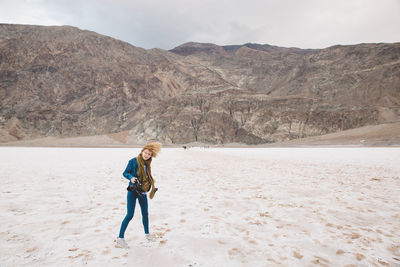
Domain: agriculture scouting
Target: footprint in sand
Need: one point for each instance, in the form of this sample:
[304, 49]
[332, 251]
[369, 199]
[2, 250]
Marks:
[265, 214]
[297, 255]
[163, 242]
[221, 242]
[359, 256]
[236, 252]
[31, 249]
[250, 241]
[159, 234]
[85, 254]
[321, 261]
[339, 252]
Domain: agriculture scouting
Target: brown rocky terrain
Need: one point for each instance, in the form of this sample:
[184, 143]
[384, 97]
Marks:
[383, 135]
[65, 82]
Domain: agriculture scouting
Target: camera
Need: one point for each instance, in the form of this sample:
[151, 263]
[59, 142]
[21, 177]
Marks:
[136, 186]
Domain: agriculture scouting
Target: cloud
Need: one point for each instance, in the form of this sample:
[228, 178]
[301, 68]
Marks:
[166, 24]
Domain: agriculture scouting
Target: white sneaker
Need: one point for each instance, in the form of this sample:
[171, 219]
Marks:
[121, 243]
[149, 238]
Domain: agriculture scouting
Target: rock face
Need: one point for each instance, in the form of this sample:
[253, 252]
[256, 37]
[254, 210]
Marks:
[62, 81]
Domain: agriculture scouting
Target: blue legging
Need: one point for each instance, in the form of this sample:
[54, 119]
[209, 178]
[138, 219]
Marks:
[131, 203]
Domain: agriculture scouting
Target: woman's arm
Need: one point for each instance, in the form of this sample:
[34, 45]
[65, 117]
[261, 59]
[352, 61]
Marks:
[130, 170]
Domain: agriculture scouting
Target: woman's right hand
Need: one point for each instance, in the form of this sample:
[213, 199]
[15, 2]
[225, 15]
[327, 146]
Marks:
[133, 180]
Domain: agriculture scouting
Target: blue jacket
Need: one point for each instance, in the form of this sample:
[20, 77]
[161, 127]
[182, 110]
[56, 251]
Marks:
[131, 169]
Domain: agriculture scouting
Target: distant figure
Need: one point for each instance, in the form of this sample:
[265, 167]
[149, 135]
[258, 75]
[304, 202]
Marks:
[184, 147]
[138, 172]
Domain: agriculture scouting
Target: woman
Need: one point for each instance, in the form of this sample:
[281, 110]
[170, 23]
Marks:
[138, 172]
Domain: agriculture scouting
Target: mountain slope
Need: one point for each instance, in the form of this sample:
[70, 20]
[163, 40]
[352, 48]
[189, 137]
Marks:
[65, 82]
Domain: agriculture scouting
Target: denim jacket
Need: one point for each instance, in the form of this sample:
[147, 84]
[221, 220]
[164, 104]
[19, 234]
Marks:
[130, 170]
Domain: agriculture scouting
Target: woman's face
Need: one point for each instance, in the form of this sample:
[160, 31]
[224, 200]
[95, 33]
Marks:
[146, 154]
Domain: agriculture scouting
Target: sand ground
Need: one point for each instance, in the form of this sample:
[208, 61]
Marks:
[381, 135]
[215, 207]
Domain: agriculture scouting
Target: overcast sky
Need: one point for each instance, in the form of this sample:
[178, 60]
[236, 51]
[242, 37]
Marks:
[168, 23]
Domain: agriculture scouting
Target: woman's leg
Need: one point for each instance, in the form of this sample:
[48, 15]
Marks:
[131, 203]
[145, 214]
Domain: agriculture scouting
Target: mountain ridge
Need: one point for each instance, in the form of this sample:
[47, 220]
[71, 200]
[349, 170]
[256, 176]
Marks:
[61, 81]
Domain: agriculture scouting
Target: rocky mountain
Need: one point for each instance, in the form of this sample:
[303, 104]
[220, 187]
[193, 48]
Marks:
[62, 81]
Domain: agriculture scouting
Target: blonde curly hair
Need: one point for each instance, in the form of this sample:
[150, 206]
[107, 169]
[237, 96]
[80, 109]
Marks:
[153, 147]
